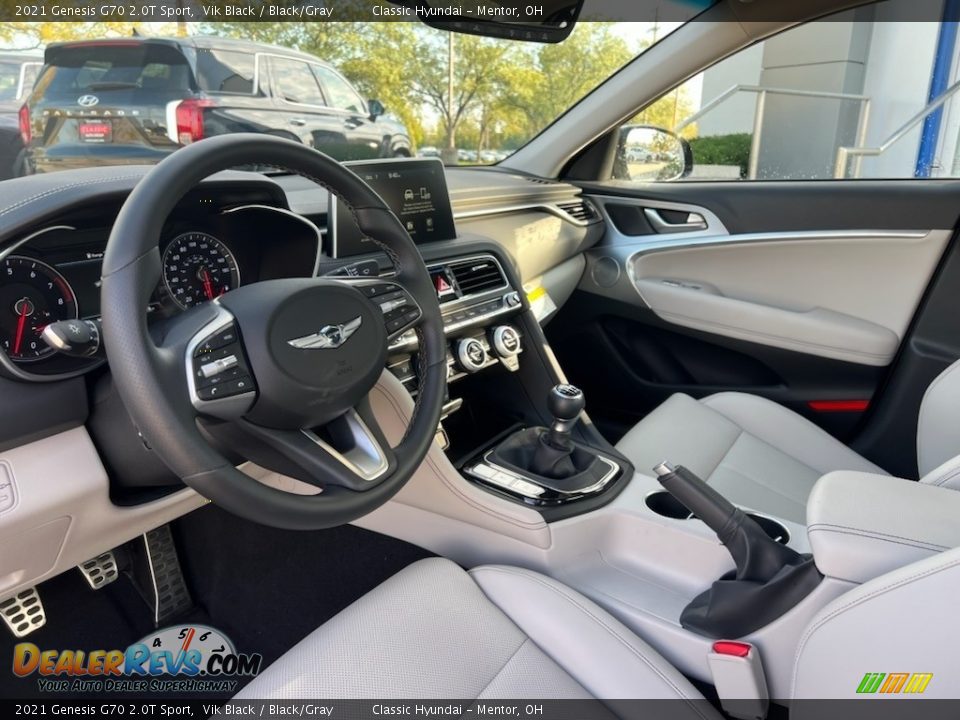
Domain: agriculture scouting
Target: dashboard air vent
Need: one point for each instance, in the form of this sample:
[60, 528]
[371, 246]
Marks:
[580, 210]
[477, 276]
[537, 180]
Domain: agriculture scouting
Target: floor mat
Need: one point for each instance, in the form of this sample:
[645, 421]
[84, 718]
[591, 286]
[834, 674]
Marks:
[264, 588]
[267, 588]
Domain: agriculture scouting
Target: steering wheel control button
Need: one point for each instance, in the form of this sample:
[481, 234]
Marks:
[218, 366]
[362, 269]
[222, 338]
[220, 369]
[391, 305]
[397, 306]
[471, 355]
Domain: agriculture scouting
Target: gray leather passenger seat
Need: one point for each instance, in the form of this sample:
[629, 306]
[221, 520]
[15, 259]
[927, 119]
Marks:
[763, 456]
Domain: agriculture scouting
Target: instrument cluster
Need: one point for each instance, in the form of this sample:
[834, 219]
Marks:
[53, 274]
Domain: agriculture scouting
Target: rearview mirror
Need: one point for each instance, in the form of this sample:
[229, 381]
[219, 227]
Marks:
[547, 21]
[646, 153]
[375, 108]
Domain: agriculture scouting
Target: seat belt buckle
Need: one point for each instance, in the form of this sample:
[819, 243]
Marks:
[739, 679]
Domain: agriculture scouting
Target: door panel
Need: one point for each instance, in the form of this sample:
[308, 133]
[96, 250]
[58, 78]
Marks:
[799, 292]
[849, 296]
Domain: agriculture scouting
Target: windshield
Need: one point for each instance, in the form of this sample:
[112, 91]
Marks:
[355, 90]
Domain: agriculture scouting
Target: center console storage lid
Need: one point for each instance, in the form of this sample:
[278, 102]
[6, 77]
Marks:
[863, 525]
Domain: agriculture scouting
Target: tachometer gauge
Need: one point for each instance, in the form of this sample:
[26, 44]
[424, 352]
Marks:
[197, 267]
[32, 295]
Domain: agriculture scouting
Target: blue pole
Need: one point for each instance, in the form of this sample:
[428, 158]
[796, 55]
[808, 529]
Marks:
[939, 80]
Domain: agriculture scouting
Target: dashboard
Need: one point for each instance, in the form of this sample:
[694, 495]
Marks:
[495, 235]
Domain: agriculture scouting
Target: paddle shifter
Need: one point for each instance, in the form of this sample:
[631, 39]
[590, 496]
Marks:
[769, 580]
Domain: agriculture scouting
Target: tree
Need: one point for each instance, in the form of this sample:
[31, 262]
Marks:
[554, 77]
[479, 62]
[669, 110]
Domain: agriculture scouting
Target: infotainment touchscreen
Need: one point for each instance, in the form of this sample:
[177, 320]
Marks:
[416, 191]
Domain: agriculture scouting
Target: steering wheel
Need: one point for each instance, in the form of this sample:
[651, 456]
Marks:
[281, 365]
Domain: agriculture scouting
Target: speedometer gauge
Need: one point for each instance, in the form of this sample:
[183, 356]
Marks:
[32, 295]
[197, 267]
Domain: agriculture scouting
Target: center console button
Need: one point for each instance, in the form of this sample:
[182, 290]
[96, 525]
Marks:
[506, 340]
[471, 355]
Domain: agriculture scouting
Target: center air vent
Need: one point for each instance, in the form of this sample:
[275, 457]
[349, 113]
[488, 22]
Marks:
[580, 210]
[477, 276]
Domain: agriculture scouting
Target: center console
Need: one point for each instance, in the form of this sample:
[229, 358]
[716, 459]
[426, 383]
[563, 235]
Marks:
[545, 465]
[531, 464]
[538, 451]
[902, 522]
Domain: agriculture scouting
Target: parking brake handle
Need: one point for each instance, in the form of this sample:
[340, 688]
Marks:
[770, 578]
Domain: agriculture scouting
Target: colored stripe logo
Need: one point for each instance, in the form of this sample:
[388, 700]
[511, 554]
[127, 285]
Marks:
[894, 683]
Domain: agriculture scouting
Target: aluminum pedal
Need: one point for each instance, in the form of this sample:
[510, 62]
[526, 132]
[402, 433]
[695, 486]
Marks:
[170, 594]
[23, 613]
[101, 570]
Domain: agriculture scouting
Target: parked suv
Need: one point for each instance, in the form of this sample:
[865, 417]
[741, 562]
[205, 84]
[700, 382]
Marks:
[135, 100]
[18, 70]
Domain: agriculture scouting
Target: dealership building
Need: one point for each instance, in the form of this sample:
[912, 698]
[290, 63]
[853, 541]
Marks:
[849, 98]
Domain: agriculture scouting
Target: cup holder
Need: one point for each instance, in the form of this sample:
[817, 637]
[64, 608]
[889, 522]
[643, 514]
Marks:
[663, 503]
[771, 527]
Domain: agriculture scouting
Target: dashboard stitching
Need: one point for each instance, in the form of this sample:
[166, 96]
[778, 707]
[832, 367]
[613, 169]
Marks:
[64, 188]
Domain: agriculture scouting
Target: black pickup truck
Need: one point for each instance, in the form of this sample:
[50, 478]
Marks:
[135, 100]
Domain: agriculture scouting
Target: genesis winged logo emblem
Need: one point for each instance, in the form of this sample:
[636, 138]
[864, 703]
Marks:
[329, 336]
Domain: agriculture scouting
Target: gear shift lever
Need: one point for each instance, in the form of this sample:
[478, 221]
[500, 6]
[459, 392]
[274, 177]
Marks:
[550, 457]
[565, 403]
[555, 447]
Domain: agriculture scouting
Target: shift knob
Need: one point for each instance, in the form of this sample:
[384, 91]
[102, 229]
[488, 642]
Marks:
[565, 402]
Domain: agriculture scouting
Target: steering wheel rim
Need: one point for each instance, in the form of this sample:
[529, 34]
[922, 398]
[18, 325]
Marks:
[150, 374]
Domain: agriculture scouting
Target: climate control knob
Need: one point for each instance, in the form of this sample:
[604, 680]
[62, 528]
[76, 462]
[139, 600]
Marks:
[471, 355]
[506, 341]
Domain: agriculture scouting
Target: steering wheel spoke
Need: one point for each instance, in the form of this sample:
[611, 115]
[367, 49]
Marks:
[348, 452]
[399, 309]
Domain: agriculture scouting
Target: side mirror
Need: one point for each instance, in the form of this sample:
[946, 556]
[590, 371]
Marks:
[646, 153]
[376, 109]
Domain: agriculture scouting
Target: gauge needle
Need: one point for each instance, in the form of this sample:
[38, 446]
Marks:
[21, 323]
[207, 284]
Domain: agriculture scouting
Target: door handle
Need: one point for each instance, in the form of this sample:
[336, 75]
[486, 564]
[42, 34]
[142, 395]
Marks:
[298, 122]
[693, 223]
